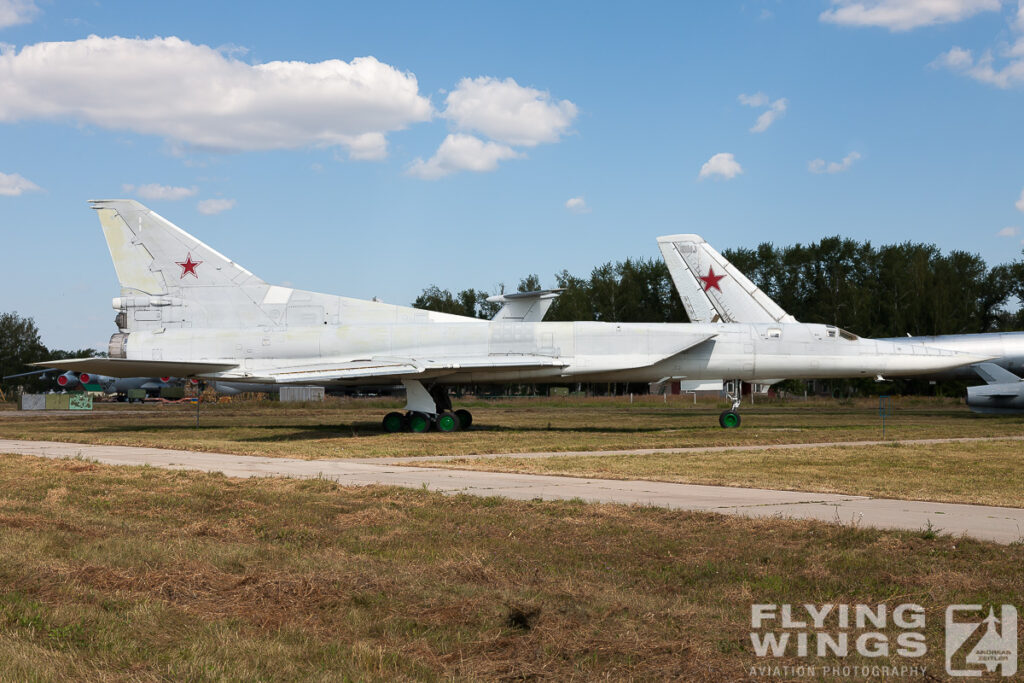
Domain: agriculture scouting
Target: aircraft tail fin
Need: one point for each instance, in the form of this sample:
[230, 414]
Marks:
[712, 289]
[153, 256]
[171, 279]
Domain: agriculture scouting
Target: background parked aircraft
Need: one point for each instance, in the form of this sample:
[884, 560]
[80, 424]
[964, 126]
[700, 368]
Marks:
[711, 288]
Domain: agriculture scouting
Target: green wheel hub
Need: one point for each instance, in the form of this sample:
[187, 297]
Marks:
[447, 422]
[418, 423]
[729, 419]
[393, 422]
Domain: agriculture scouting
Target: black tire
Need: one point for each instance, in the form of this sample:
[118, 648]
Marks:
[394, 422]
[465, 418]
[418, 422]
[447, 422]
[729, 419]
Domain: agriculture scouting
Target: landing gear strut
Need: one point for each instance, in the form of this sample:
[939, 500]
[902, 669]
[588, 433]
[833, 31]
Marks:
[426, 409]
[730, 419]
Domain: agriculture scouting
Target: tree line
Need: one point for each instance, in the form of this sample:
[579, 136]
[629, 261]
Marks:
[21, 345]
[884, 291]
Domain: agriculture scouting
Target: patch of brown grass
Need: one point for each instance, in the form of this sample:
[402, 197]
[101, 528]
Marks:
[152, 574]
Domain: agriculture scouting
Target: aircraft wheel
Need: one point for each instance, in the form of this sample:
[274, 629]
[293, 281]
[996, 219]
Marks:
[465, 418]
[729, 419]
[418, 422]
[447, 422]
[394, 422]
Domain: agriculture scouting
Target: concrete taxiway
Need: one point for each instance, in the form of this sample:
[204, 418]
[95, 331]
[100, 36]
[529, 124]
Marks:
[1003, 525]
[683, 450]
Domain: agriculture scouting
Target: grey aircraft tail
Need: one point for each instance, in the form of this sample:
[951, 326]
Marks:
[712, 289]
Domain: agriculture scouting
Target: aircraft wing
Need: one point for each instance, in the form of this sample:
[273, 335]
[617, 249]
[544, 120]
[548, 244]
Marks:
[124, 367]
[397, 368]
[631, 361]
[33, 372]
[994, 374]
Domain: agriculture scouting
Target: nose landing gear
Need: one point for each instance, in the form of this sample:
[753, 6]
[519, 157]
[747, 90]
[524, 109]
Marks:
[730, 419]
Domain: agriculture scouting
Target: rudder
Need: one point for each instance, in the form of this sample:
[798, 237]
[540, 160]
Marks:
[715, 289]
[171, 279]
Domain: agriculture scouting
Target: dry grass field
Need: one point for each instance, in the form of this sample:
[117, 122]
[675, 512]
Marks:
[144, 574]
[351, 428]
[985, 473]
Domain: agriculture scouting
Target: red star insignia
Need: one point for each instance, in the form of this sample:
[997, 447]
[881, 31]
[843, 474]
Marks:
[188, 266]
[711, 280]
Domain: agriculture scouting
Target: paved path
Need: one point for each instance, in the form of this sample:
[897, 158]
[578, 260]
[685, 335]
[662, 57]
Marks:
[1004, 525]
[695, 449]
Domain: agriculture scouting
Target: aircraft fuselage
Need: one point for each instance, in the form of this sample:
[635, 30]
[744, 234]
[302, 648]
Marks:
[576, 351]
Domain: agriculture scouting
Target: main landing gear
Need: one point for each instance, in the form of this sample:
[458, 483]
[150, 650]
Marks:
[427, 409]
[730, 419]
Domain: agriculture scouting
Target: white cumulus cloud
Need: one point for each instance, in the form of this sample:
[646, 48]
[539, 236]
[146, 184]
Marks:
[1002, 67]
[723, 164]
[14, 12]
[1020, 202]
[776, 108]
[200, 96]
[1008, 231]
[212, 206]
[822, 166]
[577, 205]
[508, 112]
[904, 15]
[984, 68]
[155, 191]
[13, 185]
[461, 152]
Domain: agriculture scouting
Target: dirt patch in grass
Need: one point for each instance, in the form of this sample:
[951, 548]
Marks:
[142, 573]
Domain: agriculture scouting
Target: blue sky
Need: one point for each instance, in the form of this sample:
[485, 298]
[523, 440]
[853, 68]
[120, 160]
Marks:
[888, 120]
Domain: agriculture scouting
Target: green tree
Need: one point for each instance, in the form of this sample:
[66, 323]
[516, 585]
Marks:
[574, 303]
[886, 291]
[20, 345]
[469, 302]
[530, 283]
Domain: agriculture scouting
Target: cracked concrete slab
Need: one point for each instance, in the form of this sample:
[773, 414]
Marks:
[1003, 525]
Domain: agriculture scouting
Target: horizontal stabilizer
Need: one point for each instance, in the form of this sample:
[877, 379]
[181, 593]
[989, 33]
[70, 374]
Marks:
[994, 374]
[123, 367]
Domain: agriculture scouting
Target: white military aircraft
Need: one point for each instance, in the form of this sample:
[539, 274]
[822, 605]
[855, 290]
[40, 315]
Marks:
[186, 310]
[713, 289]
